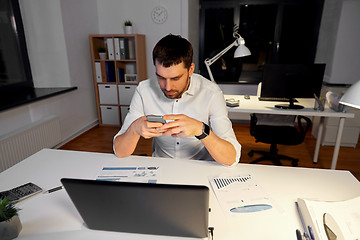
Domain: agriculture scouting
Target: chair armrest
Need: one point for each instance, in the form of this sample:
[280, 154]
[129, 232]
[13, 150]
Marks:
[303, 129]
[253, 121]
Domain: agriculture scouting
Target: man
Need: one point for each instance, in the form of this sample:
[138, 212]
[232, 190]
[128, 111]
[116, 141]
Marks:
[197, 124]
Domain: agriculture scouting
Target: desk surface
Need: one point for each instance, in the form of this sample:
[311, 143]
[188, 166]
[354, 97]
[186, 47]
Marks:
[53, 216]
[253, 105]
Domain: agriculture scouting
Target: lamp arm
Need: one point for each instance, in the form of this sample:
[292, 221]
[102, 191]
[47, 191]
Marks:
[208, 62]
[239, 41]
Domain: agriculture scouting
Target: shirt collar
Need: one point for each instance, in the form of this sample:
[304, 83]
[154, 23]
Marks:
[192, 87]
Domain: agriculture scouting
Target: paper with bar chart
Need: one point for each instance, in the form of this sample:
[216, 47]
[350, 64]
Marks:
[239, 194]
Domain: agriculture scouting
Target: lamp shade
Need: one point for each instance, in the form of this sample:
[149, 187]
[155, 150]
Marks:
[241, 51]
[352, 96]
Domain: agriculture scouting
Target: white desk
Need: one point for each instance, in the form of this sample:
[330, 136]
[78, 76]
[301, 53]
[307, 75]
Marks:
[53, 216]
[253, 105]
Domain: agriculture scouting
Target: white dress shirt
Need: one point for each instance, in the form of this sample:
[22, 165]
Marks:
[203, 101]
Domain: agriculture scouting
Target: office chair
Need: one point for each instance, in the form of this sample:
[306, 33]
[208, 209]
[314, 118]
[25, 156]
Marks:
[277, 129]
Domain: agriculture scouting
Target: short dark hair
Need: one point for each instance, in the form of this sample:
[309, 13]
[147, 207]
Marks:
[172, 50]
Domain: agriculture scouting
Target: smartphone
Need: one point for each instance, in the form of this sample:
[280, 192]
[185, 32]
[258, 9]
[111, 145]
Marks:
[155, 118]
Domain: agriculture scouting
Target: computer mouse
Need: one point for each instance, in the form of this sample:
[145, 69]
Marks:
[247, 97]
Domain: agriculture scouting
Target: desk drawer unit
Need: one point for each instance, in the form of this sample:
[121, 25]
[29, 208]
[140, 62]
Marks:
[125, 93]
[110, 115]
[350, 134]
[107, 94]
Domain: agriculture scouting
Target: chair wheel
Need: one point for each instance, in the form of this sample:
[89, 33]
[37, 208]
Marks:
[251, 153]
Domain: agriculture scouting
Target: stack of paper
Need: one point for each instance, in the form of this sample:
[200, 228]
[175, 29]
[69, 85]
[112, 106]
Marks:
[332, 220]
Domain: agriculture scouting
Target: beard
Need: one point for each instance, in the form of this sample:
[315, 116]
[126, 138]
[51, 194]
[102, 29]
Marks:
[174, 94]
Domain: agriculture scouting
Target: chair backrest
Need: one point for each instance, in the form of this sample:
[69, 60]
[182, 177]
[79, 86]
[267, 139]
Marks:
[279, 128]
[275, 120]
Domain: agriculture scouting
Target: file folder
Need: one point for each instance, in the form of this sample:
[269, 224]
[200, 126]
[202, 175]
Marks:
[122, 48]
[117, 48]
[98, 71]
[110, 48]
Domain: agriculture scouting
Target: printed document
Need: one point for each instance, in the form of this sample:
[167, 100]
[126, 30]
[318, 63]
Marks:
[144, 174]
[240, 194]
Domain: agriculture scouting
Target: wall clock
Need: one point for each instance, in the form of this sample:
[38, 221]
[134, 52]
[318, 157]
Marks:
[159, 14]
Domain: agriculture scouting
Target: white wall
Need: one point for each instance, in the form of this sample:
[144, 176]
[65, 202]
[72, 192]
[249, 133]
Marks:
[338, 42]
[58, 46]
[346, 59]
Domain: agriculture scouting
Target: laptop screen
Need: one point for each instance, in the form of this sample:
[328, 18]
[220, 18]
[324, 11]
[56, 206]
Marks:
[160, 209]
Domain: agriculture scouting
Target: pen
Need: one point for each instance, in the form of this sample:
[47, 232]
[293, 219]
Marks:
[311, 233]
[54, 189]
[306, 235]
[298, 234]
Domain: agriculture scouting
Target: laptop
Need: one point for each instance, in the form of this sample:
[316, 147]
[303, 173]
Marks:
[159, 209]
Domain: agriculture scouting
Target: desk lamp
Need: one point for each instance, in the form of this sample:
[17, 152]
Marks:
[241, 51]
[352, 96]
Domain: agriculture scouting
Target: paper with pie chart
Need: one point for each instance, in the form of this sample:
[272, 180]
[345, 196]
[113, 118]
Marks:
[240, 194]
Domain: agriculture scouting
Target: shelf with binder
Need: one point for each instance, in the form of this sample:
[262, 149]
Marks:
[116, 76]
[126, 72]
[124, 48]
[105, 72]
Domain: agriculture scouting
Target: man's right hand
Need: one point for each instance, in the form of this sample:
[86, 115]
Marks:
[147, 129]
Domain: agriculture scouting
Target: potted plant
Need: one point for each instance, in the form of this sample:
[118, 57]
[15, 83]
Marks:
[10, 225]
[102, 53]
[128, 27]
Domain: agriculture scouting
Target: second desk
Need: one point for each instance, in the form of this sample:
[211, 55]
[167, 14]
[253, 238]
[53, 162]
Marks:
[253, 105]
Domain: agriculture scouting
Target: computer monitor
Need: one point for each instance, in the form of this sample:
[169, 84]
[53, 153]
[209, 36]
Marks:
[292, 81]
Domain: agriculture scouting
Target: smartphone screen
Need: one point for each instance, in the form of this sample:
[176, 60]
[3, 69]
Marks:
[155, 118]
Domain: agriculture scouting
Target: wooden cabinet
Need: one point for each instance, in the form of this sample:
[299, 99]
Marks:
[116, 74]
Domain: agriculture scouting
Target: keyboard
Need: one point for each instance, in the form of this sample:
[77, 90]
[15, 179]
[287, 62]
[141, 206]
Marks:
[274, 99]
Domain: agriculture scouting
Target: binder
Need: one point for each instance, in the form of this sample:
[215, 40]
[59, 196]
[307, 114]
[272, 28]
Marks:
[110, 48]
[122, 48]
[121, 74]
[132, 48]
[110, 71]
[98, 71]
[117, 48]
[126, 46]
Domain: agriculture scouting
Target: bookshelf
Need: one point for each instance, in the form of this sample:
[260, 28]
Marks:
[117, 74]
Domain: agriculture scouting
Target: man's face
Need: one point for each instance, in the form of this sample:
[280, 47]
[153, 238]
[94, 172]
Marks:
[174, 80]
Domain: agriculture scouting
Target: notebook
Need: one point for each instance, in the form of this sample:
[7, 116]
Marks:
[159, 209]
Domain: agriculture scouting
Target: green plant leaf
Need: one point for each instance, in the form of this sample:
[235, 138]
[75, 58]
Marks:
[7, 209]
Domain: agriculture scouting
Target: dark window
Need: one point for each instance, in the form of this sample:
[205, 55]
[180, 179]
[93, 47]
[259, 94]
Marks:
[14, 63]
[275, 31]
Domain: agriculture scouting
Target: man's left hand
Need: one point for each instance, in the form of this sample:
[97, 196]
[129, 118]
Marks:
[181, 126]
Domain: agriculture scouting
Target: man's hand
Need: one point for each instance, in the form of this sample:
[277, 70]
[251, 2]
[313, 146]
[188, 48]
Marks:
[181, 126]
[147, 129]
